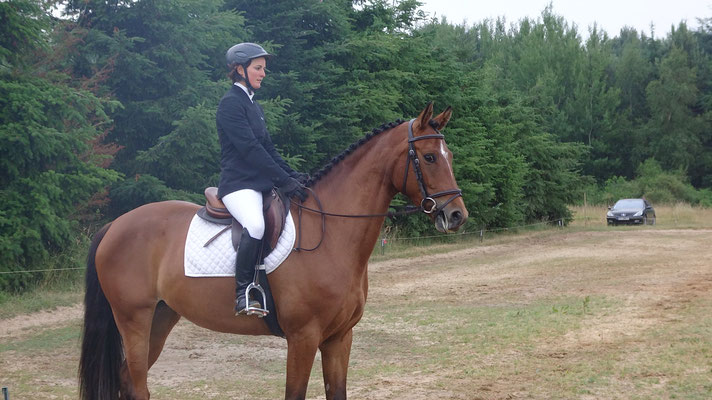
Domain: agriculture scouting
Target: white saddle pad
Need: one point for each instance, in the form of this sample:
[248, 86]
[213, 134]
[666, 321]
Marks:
[218, 258]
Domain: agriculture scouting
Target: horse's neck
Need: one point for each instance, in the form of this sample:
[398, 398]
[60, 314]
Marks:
[360, 185]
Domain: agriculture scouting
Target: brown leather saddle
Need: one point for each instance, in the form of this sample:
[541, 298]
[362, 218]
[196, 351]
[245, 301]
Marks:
[275, 209]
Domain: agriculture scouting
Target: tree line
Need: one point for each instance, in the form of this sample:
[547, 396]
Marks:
[108, 105]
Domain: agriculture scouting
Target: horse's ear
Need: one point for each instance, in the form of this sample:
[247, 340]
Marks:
[443, 118]
[426, 115]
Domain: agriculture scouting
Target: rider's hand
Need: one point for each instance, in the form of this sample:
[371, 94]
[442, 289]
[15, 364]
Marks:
[302, 177]
[291, 187]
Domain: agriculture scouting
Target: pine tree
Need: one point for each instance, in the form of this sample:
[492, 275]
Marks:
[674, 129]
[50, 153]
[167, 57]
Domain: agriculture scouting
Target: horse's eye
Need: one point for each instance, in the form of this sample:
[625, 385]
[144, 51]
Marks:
[429, 158]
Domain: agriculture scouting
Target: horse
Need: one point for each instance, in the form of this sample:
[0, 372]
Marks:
[136, 289]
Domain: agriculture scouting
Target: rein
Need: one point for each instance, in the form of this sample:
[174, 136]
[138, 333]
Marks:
[412, 157]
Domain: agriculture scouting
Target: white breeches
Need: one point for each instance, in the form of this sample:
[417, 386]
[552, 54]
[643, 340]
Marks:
[246, 207]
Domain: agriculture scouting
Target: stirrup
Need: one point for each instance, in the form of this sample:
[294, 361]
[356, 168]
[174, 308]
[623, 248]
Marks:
[243, 310]
[259, 312]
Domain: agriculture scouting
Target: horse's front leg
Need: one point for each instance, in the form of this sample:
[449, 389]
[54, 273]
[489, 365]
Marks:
[301, 350]
[335, 363]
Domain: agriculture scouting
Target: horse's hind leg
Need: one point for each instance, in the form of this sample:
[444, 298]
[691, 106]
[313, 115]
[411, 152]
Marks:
[164, 319]
[135, 328]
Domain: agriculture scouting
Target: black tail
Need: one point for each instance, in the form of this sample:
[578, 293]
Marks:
[102, 353]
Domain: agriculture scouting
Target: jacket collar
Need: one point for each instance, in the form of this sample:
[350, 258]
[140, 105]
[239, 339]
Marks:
[244, 89]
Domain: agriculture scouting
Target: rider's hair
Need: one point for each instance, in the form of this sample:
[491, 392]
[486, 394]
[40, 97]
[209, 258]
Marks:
[234, 76]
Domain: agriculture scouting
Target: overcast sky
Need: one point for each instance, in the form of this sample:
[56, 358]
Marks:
[610, 15]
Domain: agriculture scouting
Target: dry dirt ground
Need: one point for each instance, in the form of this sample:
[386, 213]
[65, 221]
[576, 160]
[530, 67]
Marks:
[553, 314]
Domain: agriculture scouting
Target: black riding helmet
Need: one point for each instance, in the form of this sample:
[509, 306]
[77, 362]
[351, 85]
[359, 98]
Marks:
[243, 54]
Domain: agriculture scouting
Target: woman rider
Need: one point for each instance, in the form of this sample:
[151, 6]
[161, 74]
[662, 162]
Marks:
[249, 163]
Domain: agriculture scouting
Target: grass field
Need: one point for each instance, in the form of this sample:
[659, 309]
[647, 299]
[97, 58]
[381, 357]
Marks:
[679, 215]
[583, 312]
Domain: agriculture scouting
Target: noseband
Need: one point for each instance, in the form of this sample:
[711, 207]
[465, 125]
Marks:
[413, 157]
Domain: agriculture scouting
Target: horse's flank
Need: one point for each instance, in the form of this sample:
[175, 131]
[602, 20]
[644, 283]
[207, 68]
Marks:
[161, 240]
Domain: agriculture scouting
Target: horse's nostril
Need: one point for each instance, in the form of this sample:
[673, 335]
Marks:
[456, 217]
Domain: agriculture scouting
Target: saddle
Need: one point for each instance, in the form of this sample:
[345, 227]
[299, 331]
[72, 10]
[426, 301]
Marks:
[275, 209]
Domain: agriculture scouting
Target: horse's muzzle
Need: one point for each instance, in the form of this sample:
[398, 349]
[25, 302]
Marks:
[450, 219]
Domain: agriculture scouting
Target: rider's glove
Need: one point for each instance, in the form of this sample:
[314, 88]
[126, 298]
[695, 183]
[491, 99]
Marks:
[291, 187]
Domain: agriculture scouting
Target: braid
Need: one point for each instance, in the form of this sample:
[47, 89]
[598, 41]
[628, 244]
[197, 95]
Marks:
[349, 150]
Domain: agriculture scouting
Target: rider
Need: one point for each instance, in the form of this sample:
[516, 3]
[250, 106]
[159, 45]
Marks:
[249, 163]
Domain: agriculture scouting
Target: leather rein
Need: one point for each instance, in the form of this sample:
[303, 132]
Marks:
[431, 208]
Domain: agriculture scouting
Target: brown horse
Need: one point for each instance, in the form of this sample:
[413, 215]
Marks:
[137, 290]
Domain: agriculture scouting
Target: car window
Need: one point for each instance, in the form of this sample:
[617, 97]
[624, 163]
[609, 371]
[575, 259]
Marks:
[629, 204]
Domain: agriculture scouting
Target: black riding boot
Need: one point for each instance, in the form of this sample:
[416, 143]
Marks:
[247, 253]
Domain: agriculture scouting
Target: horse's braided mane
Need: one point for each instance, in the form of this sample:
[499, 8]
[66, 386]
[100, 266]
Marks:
[316, 177]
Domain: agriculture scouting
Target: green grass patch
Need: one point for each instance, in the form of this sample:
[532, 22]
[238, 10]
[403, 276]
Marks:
[245, 385]
[680, 215]
[44, 340]
[65, 294]
[440, 243]
[480, 342]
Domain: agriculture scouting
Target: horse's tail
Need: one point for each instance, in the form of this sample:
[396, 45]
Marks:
[102, 354]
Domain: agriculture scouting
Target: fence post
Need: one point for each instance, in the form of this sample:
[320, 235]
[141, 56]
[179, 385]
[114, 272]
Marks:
[5, 393]
[482, 234]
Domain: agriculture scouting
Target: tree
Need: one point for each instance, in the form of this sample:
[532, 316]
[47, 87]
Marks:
[633, 72]
[50, 147]
[703, 167]
[167, 57]
[195, 140]
[20, 31]
[595, 109]
[674, 129]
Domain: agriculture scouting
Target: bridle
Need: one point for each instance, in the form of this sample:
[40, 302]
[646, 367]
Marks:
[412, 158]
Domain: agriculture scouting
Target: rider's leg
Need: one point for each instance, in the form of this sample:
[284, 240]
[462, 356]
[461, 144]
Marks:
[246, 207]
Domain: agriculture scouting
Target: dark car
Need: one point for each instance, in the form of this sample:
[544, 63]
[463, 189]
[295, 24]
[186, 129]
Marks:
[631, 211]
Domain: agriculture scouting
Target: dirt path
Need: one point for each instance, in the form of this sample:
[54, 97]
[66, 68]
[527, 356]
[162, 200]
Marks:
[15, 327]
[650, 277]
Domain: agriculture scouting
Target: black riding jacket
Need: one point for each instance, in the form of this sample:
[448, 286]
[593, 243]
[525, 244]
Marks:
[248, 159]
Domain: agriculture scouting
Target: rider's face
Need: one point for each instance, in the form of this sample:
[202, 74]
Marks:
[255, 72]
